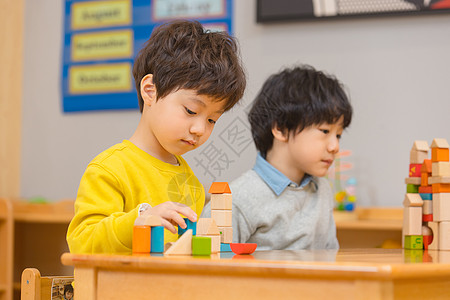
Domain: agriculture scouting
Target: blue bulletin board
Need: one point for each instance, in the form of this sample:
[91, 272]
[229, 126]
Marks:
[102, 38]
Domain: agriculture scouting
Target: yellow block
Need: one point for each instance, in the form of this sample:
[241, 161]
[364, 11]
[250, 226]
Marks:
[102, 78]
[96, 14]
[102, 45]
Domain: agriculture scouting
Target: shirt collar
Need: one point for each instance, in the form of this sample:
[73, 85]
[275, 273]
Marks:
[276, 180]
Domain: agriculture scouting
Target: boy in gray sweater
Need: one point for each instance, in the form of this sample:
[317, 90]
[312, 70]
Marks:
[284, 202]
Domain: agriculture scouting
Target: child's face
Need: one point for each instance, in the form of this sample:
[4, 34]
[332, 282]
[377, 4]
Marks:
[312, 151]
[181, 122]
[68, 295]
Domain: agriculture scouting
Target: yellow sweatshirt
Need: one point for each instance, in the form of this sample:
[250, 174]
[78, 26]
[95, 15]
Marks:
[113, 186]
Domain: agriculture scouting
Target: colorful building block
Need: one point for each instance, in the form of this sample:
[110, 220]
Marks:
[219, 188]
[226, 234]
[190, 225]
[183, 246]
[414, 170]
[412, 188]
[221, 201]
[441, 169]
[201, 246]
[141, 239]
[207, 226]
[157, 239]
[413, 242]
[439, 150]
[441, 207]
[223, 218]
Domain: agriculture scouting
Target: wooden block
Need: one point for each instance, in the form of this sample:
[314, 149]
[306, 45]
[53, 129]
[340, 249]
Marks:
[424, 179]
[219, 188]
[434, 226]
[433, 180]
[412, 220]
[426, 196]
[412, 200]
[440, 188]
[183, 246]
[440, 169]
[207, 227]
[223, 218]
[438, 154]
[157, 239]
[427, 207]
[417, 157]
[221, 201]
[215, 243]
[148, 220]
[201, 246]
[412, 188]
[441, 207]
[426, 166]
[413, 180]
[444, 235]
[439, 143]
[425, 189]
[419, 145]
[189, 225]
[414, 242]
[427, 218]
[167, 246]
[226, 235]
[414, 170]
[141, 239]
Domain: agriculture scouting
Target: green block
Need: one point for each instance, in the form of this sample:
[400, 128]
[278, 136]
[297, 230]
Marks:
[414, 242]
[201, 245]
[412, 188]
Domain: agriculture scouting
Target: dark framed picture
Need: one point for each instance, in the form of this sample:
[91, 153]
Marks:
[282, 10]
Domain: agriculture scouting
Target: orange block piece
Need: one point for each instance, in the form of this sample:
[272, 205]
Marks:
[424, 179]
[425, 189]
[439, 154]
[440, 188]
[426, 166]
[141, 239]
[427, 218]
[219, 188]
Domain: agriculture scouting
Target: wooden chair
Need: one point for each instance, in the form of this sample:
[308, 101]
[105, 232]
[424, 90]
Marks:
[35, 287]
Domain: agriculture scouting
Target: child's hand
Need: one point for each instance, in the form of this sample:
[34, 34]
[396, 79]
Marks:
[169, 212]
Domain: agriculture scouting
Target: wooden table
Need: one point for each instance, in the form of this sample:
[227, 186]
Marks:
[321, 274]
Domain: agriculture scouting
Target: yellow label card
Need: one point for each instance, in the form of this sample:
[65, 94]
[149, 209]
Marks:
[95, 14]
[100, 78]
[102, 45]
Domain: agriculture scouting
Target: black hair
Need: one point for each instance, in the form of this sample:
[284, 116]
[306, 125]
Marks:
[295, 99]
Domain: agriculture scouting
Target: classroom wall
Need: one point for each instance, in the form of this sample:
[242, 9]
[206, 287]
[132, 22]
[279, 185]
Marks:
[395, 69]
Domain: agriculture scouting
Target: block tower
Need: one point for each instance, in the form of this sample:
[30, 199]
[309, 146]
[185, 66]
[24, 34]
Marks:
[221, 212]
[440, 182]
[426, 214]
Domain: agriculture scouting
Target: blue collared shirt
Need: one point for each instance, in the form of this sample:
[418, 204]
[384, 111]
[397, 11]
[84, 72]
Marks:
[276, 180]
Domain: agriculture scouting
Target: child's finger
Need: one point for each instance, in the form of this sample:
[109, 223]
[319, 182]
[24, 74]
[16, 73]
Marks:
[186, 211]
[168, 225]
[175, 217]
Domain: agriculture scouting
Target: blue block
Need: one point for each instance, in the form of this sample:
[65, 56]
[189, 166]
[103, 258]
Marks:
[225, 247]
[157, 239]
[426, 196]
[190, 225]
[349, 206]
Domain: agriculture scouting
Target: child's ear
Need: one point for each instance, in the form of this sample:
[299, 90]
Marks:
[148, 90]
[280, 134]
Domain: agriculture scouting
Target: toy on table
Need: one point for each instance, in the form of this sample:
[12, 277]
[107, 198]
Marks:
[243, 248]
[426, 213]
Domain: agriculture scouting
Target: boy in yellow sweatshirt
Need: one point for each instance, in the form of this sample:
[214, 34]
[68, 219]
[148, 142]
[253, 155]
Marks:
[186, 78]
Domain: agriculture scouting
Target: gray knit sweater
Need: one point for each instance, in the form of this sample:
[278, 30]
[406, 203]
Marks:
[299, 218]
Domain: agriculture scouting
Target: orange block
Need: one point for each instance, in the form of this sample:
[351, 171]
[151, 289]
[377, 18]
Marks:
[439, 154]
[425, 189]
[219, 188]
[424, 179]
[426, 166]
[141, 239]
[440, 188]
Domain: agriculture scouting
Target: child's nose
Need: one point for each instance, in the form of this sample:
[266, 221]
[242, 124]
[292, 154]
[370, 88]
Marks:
[198, 128]
[333, 145]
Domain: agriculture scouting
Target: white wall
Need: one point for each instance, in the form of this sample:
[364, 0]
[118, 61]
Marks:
[396, 70]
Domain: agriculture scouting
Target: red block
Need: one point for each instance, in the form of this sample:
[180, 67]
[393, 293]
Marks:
[425, 189]
[243, 248]
[414, 170]
[427, 218]
[427, 239]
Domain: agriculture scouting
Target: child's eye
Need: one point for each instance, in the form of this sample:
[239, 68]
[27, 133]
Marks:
[211, 121]
[339, 136]
[326, 131]
[190, 111]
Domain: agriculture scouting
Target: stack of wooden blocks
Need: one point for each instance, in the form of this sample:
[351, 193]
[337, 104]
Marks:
[426, 221]
[221, 212]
